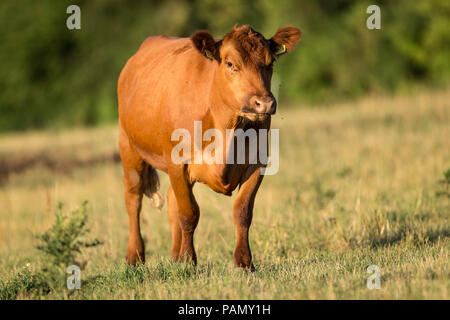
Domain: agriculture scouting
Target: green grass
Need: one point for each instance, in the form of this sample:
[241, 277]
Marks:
[359, 184]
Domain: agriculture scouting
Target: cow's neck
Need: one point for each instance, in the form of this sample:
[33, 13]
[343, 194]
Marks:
[221, 118]
[221, 115]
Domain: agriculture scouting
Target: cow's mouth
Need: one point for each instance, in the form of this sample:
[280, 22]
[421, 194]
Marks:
[254, 116]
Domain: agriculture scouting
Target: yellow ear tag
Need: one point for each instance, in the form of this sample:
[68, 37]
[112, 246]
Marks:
[209, 54]
[280, 49]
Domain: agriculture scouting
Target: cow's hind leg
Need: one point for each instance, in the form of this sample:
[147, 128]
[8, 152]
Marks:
[172, 210]
[134, 169]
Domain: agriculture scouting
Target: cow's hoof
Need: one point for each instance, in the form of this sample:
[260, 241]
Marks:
[189, 258]
[135, 258]
[246, 267]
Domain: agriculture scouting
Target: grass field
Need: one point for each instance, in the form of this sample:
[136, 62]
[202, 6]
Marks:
[358, 185]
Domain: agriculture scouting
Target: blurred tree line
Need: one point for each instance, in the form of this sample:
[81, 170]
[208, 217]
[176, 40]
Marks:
[54, 77]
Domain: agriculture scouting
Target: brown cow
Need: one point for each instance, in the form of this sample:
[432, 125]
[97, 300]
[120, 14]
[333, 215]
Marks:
[172, 82]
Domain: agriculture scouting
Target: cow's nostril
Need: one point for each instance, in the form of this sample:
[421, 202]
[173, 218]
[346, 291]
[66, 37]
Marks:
[262, 104]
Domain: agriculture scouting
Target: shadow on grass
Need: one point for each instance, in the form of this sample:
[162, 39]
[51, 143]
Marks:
[409, 234]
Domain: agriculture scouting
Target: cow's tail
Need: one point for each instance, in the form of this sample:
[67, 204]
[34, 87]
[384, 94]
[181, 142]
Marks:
[151, 188]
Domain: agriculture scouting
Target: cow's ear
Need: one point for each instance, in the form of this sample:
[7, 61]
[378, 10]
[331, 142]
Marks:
[285, 39]
[205, 43]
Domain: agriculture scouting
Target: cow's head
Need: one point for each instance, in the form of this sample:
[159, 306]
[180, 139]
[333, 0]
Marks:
[245, 68]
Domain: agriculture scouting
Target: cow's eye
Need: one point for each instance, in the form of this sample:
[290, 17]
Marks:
[229, 64]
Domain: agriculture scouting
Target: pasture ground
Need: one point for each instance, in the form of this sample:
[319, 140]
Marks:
[358, 185]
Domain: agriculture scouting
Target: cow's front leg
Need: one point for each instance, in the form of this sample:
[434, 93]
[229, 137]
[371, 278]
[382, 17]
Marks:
[242, 215]
[187, 210]
[172, 211]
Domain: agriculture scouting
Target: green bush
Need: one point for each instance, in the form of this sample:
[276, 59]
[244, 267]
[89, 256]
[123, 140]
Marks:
[62, 244]
[67, 237]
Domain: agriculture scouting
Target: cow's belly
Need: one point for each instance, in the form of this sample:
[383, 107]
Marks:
[157, 161]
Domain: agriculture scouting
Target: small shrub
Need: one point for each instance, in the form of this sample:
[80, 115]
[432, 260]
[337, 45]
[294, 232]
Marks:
[65, 240]
[62, 243]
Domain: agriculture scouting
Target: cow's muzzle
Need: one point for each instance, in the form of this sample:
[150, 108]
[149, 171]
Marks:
[262, 104]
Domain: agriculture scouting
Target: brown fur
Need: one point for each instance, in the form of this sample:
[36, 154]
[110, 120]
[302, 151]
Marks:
[167, 85]
[252, 45]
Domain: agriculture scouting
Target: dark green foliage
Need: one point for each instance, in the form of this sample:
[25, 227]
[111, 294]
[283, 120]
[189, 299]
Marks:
[55, 77]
